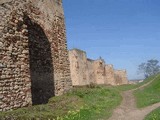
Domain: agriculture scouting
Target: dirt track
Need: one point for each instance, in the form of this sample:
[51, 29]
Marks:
[128, 110]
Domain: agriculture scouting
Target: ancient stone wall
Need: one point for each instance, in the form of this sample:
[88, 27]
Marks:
[85, 71]
[120, 77]
[99, 68]
[34, 64]
[110, 77]
[91, 71]
[78, 66]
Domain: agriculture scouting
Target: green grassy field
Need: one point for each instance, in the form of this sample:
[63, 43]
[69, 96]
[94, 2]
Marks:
[155, 115]
[79, 104]
[87, 103]
[149, 94]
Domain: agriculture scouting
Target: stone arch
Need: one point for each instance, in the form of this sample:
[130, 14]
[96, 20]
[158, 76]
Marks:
[49, 77]
[40, 62]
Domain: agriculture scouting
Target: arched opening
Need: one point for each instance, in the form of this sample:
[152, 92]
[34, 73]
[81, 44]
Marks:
[41, 65]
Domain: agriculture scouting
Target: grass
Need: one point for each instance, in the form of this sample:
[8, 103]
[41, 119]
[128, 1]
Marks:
[155, 115]
[133, 86]
[126, 87]
[86, 103]
[149, 94]
[79, 104]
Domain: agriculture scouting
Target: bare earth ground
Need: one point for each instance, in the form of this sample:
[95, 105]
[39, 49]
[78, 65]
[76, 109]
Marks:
[128, 110]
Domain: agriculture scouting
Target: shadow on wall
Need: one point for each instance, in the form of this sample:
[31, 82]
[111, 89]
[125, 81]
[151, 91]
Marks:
[118, 80]
[41, 64]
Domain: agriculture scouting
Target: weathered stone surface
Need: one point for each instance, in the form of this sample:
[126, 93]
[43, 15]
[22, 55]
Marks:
[78, 65]
[86, 71]
[120, 77]
[34, 63]
[110, 76]
[91, 72]
[99, 71]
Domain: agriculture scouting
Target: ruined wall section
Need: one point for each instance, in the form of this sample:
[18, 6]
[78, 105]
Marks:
[110, 78]
[52, 20]
[85, 71]
[91, 71]
[78, 66]
[120, 77]
[62, 74]
[17, 20]
[99, 68]
[15, 84]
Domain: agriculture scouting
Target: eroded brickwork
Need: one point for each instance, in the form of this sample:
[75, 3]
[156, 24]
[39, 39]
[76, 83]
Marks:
[86, 71]
[34, 64]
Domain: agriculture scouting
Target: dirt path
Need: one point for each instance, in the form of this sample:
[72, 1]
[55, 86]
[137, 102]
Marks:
[128, 110]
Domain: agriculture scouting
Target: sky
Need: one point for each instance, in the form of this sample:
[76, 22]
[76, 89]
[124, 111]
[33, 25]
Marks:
[124, 33]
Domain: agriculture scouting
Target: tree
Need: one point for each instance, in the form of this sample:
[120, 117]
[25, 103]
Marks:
[149, 68]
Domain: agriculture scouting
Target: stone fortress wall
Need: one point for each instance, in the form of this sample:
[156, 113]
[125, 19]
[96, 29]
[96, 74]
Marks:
[34, 60]
[78, 65]
[110, 75]
[85, 71]
[120, 77]
[34, 63]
